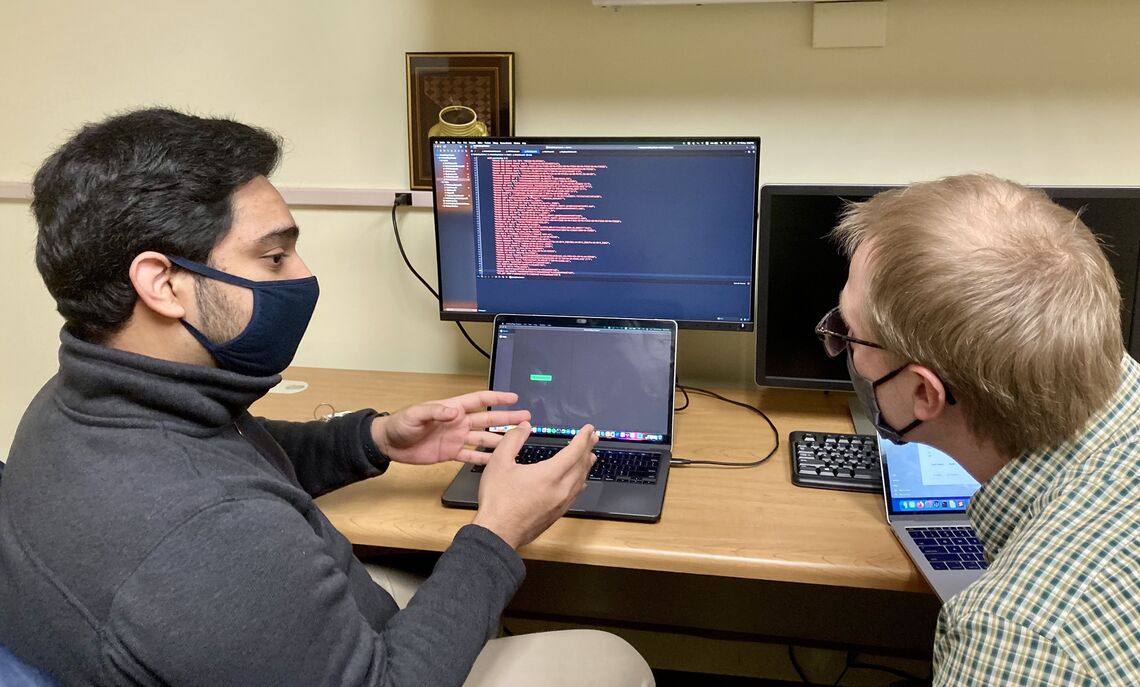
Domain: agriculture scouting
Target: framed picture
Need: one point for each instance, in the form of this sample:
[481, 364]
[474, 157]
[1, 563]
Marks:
[456, 94]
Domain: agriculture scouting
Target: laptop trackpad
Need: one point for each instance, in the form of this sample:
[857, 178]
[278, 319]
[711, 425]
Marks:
[588, 499]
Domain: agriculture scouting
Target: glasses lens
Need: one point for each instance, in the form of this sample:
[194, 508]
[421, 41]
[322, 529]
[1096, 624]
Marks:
[832, 331]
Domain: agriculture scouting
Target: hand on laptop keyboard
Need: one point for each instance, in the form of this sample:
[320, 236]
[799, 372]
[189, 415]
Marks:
[518, 502]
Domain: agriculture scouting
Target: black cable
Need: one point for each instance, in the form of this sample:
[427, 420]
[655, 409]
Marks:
[686, 395]
[727, 463]
[400, 245]
[472, 341]
[796, 664]
[846, 667]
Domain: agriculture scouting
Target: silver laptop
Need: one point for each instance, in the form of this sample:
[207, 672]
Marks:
[926, 494]
[616, 374]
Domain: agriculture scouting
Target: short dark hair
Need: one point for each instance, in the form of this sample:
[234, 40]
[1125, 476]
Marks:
[152, 179]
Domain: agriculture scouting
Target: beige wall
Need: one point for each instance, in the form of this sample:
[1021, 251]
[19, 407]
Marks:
[1044, 91]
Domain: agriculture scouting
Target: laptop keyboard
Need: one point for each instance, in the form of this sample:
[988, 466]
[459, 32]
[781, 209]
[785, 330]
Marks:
[836, 461]
[632, 467]
[949, 548]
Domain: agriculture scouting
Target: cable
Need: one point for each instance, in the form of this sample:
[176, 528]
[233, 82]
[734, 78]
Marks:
[728, 463]
[472, 341]
[405, 199]
[846, 667]
[686, 395]
[400, 245]
[796, 664]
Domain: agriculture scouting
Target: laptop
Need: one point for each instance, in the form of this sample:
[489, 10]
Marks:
[616, 374]
[926, 494]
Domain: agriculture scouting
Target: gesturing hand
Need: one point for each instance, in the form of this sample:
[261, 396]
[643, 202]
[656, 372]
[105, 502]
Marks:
[450, 429]
[518, 502]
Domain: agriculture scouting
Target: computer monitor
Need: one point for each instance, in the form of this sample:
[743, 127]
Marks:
[615, 227]
[801, 272]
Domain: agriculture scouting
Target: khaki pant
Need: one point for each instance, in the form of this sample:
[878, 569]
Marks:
[566, 658]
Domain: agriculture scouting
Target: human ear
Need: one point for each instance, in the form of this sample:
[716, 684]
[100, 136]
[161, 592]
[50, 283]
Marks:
[929, 393]
[159, 286]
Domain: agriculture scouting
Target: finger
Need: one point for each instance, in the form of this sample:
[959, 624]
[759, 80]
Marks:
[575, 457]
[425, 413]
[496, 418]
[512, 441]
[484, 439]
[472, 456]
[478, 400]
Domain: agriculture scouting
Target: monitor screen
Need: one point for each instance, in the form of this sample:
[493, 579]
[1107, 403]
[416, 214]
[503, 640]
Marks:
[604, 227]
[616, 374]
[801, 271]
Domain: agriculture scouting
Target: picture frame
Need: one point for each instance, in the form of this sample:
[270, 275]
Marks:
[456, 94]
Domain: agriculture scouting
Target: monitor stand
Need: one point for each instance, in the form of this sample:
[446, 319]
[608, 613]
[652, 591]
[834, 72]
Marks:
[859, 416]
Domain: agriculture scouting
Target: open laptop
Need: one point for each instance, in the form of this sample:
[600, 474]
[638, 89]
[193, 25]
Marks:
[616, 374]
[926, 494]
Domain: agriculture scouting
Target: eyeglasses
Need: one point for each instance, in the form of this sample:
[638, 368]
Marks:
[833, 332]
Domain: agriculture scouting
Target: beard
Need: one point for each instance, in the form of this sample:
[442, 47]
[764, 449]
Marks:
[220, 319]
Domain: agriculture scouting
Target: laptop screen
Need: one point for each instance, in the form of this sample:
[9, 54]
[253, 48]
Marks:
[922, 479]
[615, 374]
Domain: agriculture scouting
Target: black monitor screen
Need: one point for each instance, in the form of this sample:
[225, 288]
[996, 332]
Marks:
[801, 272]
[651, 228]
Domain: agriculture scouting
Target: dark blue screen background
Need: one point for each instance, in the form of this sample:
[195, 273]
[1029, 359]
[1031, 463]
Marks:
[684, 249]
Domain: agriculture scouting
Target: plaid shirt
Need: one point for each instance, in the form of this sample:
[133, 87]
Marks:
[1060, 603]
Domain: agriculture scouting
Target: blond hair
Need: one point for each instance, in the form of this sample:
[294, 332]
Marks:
[1002, 292]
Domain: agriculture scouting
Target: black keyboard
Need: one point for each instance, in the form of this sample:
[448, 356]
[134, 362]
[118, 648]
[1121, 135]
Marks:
[949, 548]
[633, 467]
[836, 461]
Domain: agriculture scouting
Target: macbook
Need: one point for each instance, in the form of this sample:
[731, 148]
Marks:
[616, 374]
[926, 494]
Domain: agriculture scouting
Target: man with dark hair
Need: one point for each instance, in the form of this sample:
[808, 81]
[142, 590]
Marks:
[153, 532]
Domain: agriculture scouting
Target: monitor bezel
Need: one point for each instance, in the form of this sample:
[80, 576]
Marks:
[763, 261]
[467, 316]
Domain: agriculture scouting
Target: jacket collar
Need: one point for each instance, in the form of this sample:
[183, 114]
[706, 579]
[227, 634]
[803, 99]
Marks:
[109, 386]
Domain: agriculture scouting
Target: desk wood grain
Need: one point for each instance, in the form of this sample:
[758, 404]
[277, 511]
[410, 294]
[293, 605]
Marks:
[749, 523]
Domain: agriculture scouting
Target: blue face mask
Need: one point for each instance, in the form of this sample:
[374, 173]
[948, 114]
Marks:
[281, 313]
[865, 390]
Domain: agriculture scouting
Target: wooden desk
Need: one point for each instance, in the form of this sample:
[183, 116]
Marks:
[748, 524]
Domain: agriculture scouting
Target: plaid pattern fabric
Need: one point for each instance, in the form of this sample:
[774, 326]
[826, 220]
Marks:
[1060, 603]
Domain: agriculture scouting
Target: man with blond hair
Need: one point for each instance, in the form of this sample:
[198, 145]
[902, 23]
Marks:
[983, 319]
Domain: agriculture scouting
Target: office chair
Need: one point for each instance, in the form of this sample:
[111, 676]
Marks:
[16, 673]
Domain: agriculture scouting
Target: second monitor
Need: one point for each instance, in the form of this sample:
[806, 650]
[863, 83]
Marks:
[608, 227]
[802, 271]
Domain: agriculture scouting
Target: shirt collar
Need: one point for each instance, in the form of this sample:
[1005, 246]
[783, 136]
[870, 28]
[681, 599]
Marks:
[1028, 483]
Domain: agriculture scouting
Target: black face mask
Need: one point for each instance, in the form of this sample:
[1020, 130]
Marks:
[865, 390]
[281, 313]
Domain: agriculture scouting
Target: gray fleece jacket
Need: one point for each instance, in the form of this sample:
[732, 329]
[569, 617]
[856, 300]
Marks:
[152, 532]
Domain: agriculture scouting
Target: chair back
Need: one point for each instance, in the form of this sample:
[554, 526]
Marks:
[16, 673]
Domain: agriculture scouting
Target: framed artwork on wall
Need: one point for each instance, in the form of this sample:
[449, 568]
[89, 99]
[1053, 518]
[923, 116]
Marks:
[456, 94]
